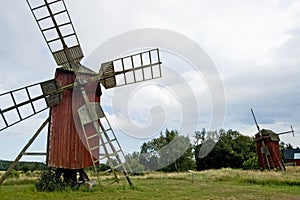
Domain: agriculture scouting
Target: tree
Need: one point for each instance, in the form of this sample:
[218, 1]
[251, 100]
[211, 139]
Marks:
[162, 151]
[231, 150]
[134, 163]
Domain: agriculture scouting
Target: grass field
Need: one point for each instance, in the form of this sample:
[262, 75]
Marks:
[211, 184]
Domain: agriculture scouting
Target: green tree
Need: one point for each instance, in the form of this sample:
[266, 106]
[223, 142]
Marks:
[165, 149]
[231, 150]
[134, 163]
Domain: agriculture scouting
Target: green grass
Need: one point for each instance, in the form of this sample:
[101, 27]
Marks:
[211, 184]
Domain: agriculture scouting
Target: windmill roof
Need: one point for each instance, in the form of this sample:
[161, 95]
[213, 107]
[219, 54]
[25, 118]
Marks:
[82, 69]
[266, 132]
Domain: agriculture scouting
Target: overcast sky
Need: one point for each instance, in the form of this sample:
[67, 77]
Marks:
[254, 45]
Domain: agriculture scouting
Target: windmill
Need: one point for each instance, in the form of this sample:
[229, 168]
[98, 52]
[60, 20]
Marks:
[79, 134]
[267, 147]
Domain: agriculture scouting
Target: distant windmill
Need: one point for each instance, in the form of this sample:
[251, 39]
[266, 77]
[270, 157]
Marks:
[267, 147]
[79, 134]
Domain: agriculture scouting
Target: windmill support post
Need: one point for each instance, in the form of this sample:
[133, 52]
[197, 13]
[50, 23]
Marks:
[23, 152]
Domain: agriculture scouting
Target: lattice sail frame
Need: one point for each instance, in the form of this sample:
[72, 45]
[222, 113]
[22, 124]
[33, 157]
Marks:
[55, 24]
[131, 69]
[22, 103]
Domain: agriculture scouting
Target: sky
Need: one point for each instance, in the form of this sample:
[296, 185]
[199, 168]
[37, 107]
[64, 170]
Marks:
[253, 46]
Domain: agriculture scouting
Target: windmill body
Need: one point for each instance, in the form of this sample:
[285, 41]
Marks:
[65, 144]
[268, 150]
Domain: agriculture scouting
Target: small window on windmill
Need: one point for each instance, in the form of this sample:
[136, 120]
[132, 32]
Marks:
[297, 156]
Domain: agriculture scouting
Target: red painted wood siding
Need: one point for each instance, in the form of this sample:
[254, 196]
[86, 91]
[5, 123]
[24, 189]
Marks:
[65, 148]
[274, 150]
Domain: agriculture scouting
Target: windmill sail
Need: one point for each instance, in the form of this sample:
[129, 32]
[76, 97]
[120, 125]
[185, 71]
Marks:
[58, 31]
[22, 103]
[131, 69]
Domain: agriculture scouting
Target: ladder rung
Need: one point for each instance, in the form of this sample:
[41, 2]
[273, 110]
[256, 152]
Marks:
[119, 165]
[106, 171]
[110, 154]
[106, 130]
[92, 136]
[93, 148]
[105, 143]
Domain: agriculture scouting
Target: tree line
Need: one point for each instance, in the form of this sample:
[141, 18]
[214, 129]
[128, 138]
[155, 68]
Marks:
[208, 150]
[23, 166]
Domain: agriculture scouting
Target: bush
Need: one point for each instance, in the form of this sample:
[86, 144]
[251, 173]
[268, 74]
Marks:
[14, 174]
[50, 181]
[251, 163]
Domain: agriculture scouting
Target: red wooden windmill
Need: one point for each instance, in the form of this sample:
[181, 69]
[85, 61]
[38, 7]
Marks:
[79, 134]
[267, 147]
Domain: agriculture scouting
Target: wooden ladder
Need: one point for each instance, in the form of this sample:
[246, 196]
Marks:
[266, 158]
[101, 141]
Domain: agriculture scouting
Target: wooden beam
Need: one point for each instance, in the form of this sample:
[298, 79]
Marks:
[23, 152]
